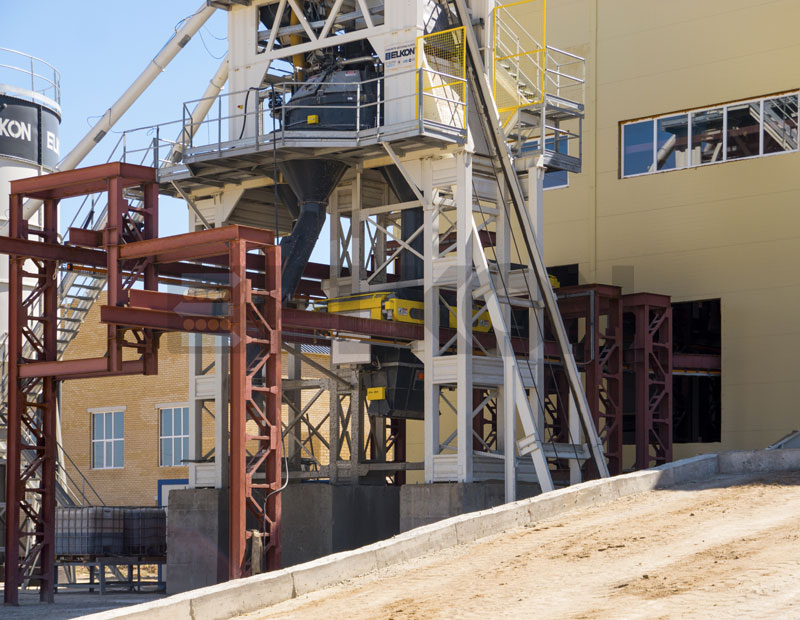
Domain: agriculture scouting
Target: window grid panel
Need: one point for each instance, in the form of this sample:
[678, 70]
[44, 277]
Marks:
[108, 442]
[782, 107]
[174, 440]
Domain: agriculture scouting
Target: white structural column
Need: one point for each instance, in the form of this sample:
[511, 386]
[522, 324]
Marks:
[195, 404]
[536, 315]
[221, 413]
[356, 236]
[465, 237]
[506, 412]
[431, 343]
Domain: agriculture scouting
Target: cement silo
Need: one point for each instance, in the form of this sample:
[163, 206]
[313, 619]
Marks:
[30, 116]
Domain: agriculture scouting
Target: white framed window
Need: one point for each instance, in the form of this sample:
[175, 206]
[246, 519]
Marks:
[734, 131]
[108, 438]
[174, 435]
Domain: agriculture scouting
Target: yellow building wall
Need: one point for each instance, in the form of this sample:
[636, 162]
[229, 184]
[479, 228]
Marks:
[723, 231]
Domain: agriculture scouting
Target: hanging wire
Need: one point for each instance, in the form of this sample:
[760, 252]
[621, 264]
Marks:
[210, 53]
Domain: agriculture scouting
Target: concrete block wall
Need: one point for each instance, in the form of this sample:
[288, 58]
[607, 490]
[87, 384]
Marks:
[251, 594]
[422, 504]
[197, 528]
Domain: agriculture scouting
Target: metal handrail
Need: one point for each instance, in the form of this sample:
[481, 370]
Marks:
[53, 83]
[189, 130]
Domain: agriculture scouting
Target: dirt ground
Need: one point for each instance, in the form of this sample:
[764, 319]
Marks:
[725, 548]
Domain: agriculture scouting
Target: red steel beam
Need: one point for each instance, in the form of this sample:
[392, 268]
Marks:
[86, 368]
[211, 237]
[696, 361]
[162, 320]
[82, 181]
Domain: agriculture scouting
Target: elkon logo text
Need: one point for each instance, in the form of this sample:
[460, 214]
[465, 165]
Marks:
[403, 53]
[12, 128]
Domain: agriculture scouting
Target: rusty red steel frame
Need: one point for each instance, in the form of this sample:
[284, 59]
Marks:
[592, 314]
[242, 261]
[650, 355]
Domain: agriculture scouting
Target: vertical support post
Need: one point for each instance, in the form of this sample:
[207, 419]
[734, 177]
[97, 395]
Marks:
[238, 405]
[294, 398]
[652, 360]
[431, 313]
[356, 236]
[47, 514]
[272, 404]
[221, 406]
[195, 405]
[333, 432]
[536, 314]
[464, 250]
[14, 489]
[356, 427]
[112, 243]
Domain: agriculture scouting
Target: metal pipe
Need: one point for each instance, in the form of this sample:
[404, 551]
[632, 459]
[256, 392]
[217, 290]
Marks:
[93, 137]
[200, 111]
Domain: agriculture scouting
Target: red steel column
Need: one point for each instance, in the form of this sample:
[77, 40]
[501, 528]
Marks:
[47, 555]
[239, 389]
[112, 241]
[652, 361]
[16, 318]
[272, 316]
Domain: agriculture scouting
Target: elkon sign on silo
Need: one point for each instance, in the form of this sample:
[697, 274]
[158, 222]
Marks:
[30, 116]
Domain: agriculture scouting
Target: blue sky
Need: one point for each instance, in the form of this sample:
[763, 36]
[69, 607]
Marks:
[100, 47]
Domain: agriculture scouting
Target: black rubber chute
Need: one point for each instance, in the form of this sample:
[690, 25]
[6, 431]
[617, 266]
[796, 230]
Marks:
[312, 181]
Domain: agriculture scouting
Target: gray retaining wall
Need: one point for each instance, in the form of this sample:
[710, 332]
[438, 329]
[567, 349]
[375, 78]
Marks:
[253, 593]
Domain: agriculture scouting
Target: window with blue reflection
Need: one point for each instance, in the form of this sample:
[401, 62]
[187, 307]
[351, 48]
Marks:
[637, 148]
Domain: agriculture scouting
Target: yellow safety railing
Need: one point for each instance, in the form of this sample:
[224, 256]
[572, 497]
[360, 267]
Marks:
[520, 56]
[442, 82]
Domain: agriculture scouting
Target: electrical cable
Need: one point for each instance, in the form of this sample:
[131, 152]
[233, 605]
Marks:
[246, 98]
[203, 41]
[206, 28]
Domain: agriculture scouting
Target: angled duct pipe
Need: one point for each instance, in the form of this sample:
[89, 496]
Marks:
[312, 181]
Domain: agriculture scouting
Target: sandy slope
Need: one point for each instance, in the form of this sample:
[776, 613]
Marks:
[725, 548]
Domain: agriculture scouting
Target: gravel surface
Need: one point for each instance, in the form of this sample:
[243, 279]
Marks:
[727, 547]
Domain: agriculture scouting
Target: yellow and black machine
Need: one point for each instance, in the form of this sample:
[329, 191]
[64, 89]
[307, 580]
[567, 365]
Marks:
[394, 377]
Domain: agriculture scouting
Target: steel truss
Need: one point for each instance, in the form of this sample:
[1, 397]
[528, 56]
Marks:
[592, 314]
[650, 355]
[241, 261]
